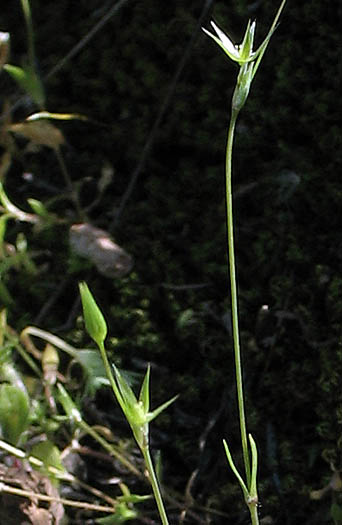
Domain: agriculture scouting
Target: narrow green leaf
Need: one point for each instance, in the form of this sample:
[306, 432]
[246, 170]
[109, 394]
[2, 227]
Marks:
[25, 4]
[157, 411]
[253, 488]
[29, 81]
[261, 50]
[235, 470]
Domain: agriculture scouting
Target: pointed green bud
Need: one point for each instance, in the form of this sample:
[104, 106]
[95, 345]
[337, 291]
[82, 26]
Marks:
[94, 321]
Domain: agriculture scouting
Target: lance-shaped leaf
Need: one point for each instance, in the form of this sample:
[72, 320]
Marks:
[161, 408]
[253, 493]
[235, 470]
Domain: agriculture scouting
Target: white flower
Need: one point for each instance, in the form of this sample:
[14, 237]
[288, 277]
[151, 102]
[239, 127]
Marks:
[242, 53]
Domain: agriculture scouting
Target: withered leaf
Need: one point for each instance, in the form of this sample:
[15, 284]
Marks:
[40, 132]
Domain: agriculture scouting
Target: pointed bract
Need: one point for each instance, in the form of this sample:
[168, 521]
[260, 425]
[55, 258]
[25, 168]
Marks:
[128, 400]
[246, 48]
[157, 411]
[144, 396]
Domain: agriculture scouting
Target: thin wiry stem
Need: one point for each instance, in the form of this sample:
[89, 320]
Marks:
[233, 290]
[155, 485]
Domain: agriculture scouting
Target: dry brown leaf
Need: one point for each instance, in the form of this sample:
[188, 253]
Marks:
[40, 132]
[37, 515]
[34, 483]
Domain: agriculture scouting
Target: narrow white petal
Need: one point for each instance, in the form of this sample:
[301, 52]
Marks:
[227, 43]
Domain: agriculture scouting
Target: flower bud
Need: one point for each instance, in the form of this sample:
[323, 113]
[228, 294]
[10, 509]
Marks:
[94, 321]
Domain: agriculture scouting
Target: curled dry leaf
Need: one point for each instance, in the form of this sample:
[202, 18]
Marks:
[96, 245]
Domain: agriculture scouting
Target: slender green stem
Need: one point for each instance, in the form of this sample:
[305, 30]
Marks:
[30, 33]
[233, 289]
[110, 376]
[155, 485]
[253, 510]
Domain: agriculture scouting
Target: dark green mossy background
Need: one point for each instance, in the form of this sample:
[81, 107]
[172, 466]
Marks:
[288, 214]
